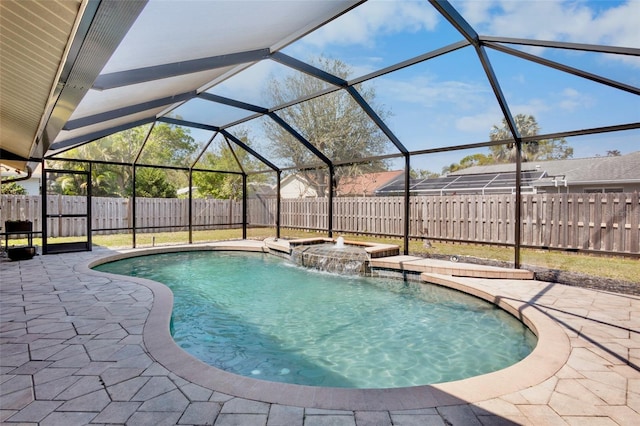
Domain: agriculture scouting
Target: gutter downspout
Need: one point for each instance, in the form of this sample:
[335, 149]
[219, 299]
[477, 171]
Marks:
[18, 179]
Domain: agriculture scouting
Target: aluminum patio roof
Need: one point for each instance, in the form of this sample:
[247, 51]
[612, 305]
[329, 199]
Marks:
[75, 71]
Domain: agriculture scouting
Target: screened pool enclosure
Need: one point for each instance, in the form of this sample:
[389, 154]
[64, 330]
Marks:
[220, 101]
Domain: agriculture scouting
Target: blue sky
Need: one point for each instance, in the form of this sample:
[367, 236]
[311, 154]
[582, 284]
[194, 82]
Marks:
[448, 100]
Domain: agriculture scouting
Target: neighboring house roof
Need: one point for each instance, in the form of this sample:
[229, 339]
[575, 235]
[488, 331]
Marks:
[294, 177]
[486, 183]
[261, 189]
[185, 190]
[583, 171]
[296, 186]
[367, 183]
[500, 178]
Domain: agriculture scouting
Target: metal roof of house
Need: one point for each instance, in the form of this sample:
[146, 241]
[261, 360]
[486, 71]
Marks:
[623, 168]
[485, 183]
[500, 178]
[74, 71]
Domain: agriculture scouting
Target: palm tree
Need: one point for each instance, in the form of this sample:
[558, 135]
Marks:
[167, 145]
[538, 150]
[527, 126]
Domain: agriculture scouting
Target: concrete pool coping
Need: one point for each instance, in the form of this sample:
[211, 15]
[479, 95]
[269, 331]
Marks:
[549, 355]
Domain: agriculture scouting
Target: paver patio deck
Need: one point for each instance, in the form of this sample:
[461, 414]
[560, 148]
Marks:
[80, 347]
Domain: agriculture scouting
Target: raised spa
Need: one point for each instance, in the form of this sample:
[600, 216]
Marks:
[261, 316]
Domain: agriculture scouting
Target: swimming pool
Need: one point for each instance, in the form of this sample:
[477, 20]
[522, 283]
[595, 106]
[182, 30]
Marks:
[259, 316]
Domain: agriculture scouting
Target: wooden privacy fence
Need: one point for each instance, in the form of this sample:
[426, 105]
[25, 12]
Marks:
[599, 222]
[113, 215]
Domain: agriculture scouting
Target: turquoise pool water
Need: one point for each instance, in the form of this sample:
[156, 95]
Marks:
[259, 316]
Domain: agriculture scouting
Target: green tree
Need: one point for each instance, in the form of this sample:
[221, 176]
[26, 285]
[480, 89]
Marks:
[167, 145]
[469, 161]
[12, 188]
[109, 180]
[611, 153]
[422, 174]
[225, 156]
[66, 183]
[333, 123]
[541, 150]
[122, 147]
[153, 183]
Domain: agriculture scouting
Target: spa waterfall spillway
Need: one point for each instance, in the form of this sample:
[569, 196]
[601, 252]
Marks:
[334, 257]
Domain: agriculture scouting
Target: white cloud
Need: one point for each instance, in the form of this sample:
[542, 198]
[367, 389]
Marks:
[446, 104]
[615, 24]
[568, 100]
[619, 27]
[250, 83]
[475, 12]
[428, 92]
[362, 25]
[365, 65]
[536, 107]
[571, 100]
[479, 123]
[570, 92]
[519, 78]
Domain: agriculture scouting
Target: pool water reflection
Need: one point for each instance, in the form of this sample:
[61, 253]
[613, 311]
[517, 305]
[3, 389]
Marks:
[259, 316]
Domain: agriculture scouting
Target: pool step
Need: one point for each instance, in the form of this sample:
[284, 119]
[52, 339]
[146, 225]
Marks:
[445, 267]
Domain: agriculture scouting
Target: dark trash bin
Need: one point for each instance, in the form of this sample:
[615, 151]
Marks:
[17, 229]
[21, 253]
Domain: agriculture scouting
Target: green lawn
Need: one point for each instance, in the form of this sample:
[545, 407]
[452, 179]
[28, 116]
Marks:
[621, 268]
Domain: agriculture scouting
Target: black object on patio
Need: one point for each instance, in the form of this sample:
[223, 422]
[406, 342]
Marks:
[14, 229]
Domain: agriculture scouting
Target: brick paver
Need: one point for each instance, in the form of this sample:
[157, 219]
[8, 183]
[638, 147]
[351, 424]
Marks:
[72, 352]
